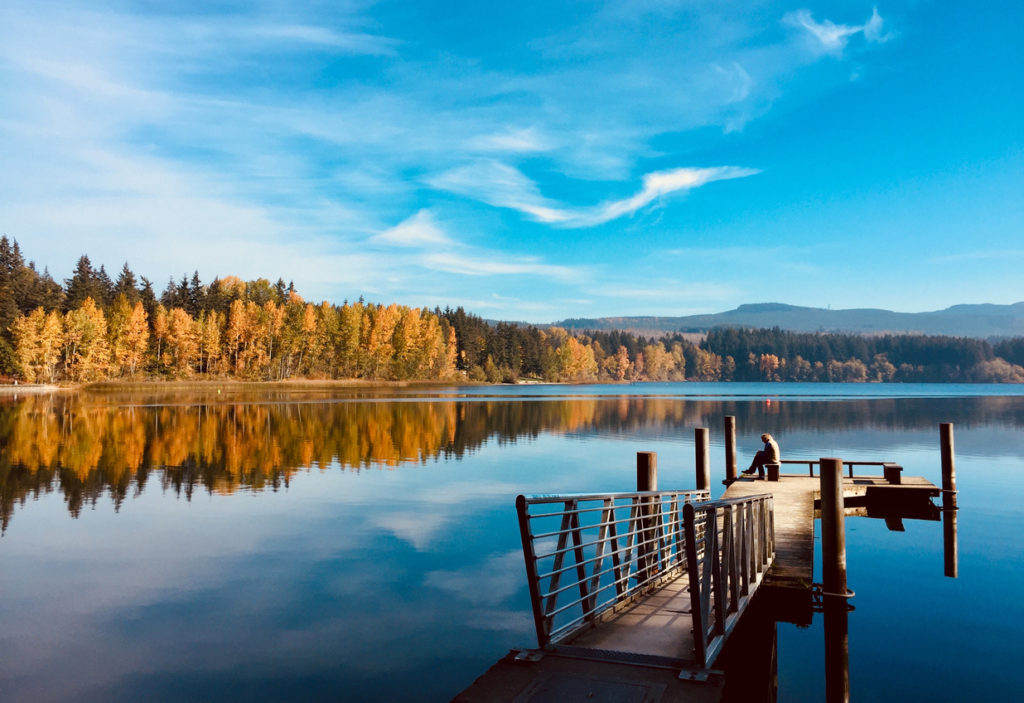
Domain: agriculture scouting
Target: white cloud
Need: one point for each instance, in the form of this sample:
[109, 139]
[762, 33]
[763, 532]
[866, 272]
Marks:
[503, 186]
[873, 28]
[420, 230]
[833, 37]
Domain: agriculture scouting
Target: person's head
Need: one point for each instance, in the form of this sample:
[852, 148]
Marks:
[765, 437]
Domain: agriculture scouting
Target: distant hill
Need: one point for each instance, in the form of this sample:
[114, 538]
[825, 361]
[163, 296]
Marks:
[981, 321]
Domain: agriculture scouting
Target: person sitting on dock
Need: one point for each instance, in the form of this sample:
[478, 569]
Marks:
[768, 455]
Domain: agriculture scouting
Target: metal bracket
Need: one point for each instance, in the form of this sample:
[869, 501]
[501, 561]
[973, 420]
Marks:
[819, 594]
[699, 675]
[528, 655]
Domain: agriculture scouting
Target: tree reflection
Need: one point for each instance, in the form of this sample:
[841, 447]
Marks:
[88, 444]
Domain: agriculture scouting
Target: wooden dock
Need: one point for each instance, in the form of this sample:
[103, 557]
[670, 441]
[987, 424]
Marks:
[680, 573]
[796, 499]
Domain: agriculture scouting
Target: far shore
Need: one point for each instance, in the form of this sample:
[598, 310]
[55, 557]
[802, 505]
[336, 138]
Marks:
[291, 384]
[29, 388]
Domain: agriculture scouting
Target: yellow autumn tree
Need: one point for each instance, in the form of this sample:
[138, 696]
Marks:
[37, 345]
[576, 361]
[86, 352]
[379, 346]
[182, 348]
[129, 336]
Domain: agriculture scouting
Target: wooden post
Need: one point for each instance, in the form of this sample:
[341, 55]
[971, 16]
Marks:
[833, 527]
[703, 457]
[646, 480]
[730, 448]
[948, 466]
[646, 471]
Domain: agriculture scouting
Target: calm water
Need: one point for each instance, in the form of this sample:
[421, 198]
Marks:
[309, 546]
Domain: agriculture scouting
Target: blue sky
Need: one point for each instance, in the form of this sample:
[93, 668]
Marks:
[530, 161]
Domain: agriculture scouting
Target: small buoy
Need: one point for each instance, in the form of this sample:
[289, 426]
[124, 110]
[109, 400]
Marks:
[768, 401]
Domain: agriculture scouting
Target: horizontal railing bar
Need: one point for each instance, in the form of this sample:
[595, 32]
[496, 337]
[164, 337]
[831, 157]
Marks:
[668, 517]
[563, 497]
[620, 550]
[668, 522]
[711, 505]
[660, 506]
[678, 556]
[847, 463]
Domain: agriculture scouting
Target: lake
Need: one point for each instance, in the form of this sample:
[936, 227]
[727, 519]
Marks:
[362, 544]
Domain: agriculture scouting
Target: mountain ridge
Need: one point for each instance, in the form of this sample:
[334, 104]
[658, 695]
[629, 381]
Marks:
[980, 320]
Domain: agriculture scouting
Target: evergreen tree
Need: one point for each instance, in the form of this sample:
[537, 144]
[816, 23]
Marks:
[126, 285]
[84, 283]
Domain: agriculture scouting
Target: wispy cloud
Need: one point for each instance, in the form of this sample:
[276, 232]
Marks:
[496, 264]
[504, 186]
[512, 140]
[436, 250]
[349, 42]
[832, 37]
[416, 231]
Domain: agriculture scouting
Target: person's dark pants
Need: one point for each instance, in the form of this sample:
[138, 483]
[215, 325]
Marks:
[760, 459]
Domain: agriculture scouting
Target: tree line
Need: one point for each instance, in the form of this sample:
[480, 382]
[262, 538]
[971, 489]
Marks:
[95, 327]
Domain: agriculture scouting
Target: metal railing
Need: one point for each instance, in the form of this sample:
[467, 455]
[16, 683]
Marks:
[812, 463]
[587, 553]
[730, 545]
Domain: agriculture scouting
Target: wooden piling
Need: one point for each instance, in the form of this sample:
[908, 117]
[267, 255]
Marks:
[703, 457]
[646, 480]
[646, 471]
[948, 466]
[833, 527]
[730, 448]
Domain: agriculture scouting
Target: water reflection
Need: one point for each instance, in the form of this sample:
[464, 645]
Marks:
[950, 547]
[87, 445]
[837, 651]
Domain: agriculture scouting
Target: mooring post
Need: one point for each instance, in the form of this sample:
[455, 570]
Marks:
[646, 480]
[833, 528]
[703, 458]
[948, 466]
[647, 471]
[730, 448]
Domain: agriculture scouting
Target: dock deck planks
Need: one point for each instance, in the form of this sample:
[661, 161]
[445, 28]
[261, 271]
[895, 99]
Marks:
[794, 526]
[658, 624]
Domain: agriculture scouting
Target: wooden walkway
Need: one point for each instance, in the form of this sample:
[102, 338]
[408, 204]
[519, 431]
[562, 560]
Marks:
[656, 625]
[618, 660]
[795, 513]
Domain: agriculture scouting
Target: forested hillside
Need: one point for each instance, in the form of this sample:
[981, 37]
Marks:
[94, 327]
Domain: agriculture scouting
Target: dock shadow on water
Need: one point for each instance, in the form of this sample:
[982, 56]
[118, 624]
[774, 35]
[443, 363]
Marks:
[750, 661]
